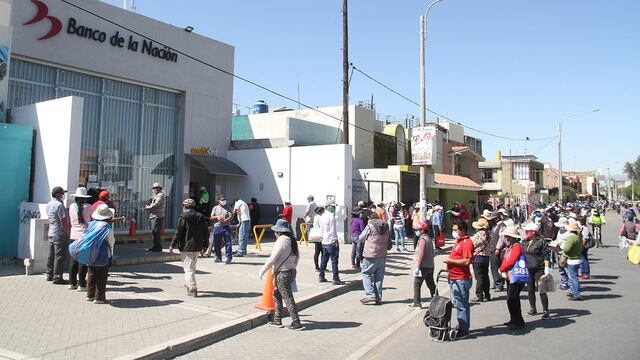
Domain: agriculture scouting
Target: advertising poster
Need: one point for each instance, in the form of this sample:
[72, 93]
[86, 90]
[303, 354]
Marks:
[5, 47]
[422, 145]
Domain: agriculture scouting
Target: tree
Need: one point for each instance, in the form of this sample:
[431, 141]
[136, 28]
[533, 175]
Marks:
[632, 169]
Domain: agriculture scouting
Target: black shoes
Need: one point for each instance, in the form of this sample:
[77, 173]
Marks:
[322, 279]
[60, 282]
[155, 249]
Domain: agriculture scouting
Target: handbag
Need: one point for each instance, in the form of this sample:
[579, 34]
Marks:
[439, 243]
[563, 260]
[634, 254]
[519, 273]
[92, 248]
[546, 284]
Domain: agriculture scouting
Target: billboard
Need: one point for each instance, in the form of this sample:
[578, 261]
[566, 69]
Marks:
[5, 45]
[422, 145]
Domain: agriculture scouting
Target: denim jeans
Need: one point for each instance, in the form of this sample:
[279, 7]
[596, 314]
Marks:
[574, 282]
[355, 260]
[460, 298]
[156, 223]
[400, 235]
[243, 236]
[218, 239]
[585, 269]
[564, 278]
[330, 251]
[373, 276]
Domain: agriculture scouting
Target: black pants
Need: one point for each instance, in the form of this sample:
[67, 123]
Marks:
[427, 276]
[531, 291]
[97, 282]
[513, 303]
[316, 254]
[57, 253]
[498, 280]
[78, 273]
[481, 272]
[156, 223]
[283, 290]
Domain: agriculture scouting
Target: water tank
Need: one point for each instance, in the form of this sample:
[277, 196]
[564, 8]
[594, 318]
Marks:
[260, 107]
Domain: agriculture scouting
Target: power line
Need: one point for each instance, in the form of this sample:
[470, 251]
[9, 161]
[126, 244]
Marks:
[446, 117]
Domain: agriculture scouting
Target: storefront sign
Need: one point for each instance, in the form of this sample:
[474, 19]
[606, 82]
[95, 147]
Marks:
[204, 151]
[5, 46]
[422, 145]
[86, 31]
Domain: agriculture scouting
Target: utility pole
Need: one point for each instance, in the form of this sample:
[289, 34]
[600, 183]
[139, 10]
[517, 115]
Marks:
[560, 162]
[345, 74]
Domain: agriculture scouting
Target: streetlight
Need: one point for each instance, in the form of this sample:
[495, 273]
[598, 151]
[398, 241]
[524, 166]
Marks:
[423, 106]
[560, 149]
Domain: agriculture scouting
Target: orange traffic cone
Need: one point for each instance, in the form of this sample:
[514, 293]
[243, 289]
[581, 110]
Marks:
[267, 295]
[132, 227]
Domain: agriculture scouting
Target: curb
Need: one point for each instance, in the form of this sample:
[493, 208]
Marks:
[145, 260]
[191, 342]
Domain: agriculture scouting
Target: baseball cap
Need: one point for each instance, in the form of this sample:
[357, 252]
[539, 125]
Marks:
[57, 190]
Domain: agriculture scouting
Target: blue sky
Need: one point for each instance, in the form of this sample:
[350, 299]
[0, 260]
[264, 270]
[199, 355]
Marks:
[508, 67]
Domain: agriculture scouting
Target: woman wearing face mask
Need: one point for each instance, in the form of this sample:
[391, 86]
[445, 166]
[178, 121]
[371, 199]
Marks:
[511, 257]
[425, 254]
[80, 217]
[481, 259]
[537, 252]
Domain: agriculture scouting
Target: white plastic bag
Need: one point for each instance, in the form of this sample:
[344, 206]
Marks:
[622, 243]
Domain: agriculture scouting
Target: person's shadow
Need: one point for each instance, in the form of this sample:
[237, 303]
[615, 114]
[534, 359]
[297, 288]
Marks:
[559, 318]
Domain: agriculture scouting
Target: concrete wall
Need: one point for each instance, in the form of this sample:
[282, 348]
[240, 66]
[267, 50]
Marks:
[303, 173]
[58, 128]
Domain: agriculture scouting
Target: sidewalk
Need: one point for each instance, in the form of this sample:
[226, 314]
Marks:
[149, 313]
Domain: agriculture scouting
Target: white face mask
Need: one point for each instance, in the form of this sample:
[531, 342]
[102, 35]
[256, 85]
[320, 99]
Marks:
[223, 202]
[455, 235]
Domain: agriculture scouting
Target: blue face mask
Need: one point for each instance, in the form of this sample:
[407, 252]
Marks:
[418, 232]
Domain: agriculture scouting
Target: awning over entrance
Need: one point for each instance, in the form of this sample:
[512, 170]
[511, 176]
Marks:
[216, 165]
[444, 181]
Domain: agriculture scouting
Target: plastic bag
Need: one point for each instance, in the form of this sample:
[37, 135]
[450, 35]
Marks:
[546, 284]
[634, 254]
[622, 243]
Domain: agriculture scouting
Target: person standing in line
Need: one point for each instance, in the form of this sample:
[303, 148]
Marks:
[58, 235]
[398, 227]
[374, 242]
[416, 224]
[496, 247]
[458, 262]
[357, 226]
[511, 256]
[283, 261]
[382, 214]
[191, 236]
[310, 210]
[254, 212]
[80, 217]
[156, 216]
[98, 272]
[560, 239]
[221, 218]
[330, 243]
[538, 254]
[241, 209]
[425, 254]
[287, 212]
[481, 259]
[103, 198]
[315, 237]
[573, 251]
[437, 221]
[586, 236]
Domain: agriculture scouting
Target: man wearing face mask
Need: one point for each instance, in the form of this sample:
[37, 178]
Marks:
[221, 219]
[537, 254]
[58, 235]
[156, 215]
[330, 248]
[460, 276]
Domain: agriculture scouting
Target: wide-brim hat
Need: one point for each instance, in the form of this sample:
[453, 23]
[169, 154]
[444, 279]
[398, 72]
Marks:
[416, 205]
[562, 222]
[512, 232]
[486, 214]
[531, 227]
[482, 223]
[572, 227]
[103, 212]
[281, 226]
[156, 185]
[81, 192]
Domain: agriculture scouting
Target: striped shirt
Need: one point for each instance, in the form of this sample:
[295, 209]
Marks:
[157, 206]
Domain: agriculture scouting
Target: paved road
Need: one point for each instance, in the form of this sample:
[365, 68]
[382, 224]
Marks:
[603, 326]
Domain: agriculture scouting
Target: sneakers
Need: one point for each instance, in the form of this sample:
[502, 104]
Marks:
[49, 278]
[295, 326]
[100, 302]
[275, 324]
[545, 315]
[322, 279]
[89, 299]
[532, 312]
[193, 292]
[217, 260]
[563, 287]
[73, 287]
[82, 289]
[462, 335]
[368, 301]
[60, 282]
[575, 298]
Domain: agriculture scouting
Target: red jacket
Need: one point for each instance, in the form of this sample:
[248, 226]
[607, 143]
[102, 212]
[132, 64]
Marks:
[287, 213]
[510, 257]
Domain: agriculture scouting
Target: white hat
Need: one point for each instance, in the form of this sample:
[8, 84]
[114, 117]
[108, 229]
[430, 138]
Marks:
[103, 212]
[156, 185]
[329, 203]
[512, 232]
[531, 227]
[562, 222]
[81, 192]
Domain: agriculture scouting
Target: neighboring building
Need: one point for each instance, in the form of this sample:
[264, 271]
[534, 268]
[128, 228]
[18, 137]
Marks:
[141, 112]
[519, 178]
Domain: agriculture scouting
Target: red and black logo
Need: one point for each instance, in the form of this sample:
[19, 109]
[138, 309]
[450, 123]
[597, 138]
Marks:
[43, 13]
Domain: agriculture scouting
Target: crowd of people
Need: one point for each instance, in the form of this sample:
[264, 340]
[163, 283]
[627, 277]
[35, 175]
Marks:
[487, 242]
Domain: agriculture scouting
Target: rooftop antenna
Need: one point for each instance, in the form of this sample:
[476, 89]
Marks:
[131, 7]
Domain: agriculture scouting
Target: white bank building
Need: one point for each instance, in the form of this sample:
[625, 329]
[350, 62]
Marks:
[117, 104]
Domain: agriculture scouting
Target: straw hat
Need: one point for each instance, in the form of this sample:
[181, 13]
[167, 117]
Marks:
[572, 227]
[81, 192]
[156, 185]
[512, 232]
[189, 203]
[531, 227]
[562, 222]
[281, 226]
[103, 212]
[482, 223]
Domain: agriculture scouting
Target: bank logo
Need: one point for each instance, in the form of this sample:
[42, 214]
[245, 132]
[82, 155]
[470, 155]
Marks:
[43, 13]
